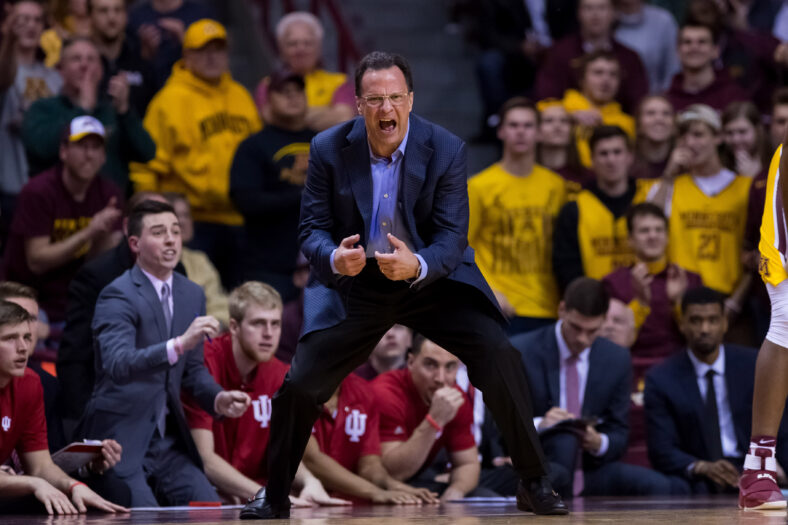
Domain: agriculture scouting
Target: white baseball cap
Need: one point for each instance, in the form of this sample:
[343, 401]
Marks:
[81, 127]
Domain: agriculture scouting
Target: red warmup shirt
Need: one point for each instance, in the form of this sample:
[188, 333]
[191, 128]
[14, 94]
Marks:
[23, 425]
[402, 410]
[351, 432]
[242, 441]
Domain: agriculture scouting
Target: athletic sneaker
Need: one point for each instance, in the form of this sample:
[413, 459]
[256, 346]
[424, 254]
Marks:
[758, 489]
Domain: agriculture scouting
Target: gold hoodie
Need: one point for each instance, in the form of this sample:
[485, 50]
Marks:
[196, 127]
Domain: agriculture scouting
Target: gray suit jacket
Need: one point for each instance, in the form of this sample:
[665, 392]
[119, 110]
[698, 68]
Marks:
[133, 376]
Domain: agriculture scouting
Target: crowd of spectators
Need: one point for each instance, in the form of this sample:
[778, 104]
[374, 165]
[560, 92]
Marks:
[618, 231]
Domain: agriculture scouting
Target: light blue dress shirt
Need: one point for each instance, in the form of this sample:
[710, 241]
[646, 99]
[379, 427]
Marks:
[386, 211]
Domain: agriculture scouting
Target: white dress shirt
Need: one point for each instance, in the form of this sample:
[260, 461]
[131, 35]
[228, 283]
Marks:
[582, 371]
[730, 447]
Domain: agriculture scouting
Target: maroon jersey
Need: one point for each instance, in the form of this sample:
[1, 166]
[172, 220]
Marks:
[22, 421]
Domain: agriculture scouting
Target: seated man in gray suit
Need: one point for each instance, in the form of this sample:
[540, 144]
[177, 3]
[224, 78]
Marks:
[148, 330]
[580, 383]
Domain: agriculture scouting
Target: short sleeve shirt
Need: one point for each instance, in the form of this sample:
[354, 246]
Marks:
[402, 410]
[352, 431]
[46, 209]
[22, 421]
[243, 441]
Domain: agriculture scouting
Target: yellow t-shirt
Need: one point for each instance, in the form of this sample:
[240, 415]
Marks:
[320, 86]
[511, 229]
[706, 233]
[603, 238]
[774, 234]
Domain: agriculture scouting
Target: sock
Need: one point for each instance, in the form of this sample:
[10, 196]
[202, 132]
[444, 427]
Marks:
[761, 448]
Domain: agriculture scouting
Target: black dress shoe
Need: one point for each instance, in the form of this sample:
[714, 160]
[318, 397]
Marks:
[537, 496]
[259, 508]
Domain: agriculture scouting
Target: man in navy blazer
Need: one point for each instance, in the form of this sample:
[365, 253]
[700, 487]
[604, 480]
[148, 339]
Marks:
[683, 437]
[576, 375]
[148, 330]
[384, 222]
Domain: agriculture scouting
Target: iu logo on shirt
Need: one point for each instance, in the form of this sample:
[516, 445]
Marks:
[355, 425]
[6, 422]
[262, 410]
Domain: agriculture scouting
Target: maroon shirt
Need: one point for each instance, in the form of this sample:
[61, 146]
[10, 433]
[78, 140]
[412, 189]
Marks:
[643, 169]
[659, 336]
[558, 72]
[718, 94]
[748, 57]
[46, 208]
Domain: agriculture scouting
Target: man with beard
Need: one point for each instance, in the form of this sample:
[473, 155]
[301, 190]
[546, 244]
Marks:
[233, 451]
[698, 411]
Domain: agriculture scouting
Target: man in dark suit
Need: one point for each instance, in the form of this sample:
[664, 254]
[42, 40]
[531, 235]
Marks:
[384, 222]
[693, 435]
[75, 358]
[142, 364]
[581, 384]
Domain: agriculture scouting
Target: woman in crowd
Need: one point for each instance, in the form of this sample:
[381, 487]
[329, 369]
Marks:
[557, 150]
[656, 134]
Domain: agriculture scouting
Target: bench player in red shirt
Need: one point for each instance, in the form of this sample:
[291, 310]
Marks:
[233, 451]
[344, 449]
[23, 428]
[421, 412]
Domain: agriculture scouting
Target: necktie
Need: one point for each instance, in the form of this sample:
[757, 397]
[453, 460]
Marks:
[572, 380]
[712, 418]
[165, 306]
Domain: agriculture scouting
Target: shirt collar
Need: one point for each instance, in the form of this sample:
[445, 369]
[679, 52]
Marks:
[701, 368]
[398, 153]
[563, 349]
[156, 282]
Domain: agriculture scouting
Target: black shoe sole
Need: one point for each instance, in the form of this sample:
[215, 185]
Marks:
[254, 515]
[552, 512]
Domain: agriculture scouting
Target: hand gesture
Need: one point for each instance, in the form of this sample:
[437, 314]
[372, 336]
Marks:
[676, 283]
[721, 472]
[641, 283]
[679, 162]
[54, 500]
[88, 87]
[554, 416]
[173, 26]
[424, 495]
[232, 403]
[83, 498]
[399, 265]
[150, 38]
[350, 260]
[592, 441]
[111, 452]
[314, 493]
[503, 302]
[446, 401]
[118, 90]
[203, 326]
[104, 221]
[587, 117]
[746, 164]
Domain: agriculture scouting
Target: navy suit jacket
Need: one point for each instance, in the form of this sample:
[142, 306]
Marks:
[607, 390]
[337, 203]
[133, 375]
[674, 410]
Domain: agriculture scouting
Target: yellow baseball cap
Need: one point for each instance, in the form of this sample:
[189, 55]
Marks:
[203, 31]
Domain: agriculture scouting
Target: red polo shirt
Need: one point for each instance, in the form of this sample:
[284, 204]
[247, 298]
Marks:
[402, 410]
[352, 431]
[22, 422]
[242, 441]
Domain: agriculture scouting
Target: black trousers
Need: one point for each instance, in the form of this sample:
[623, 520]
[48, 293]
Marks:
[453, 315]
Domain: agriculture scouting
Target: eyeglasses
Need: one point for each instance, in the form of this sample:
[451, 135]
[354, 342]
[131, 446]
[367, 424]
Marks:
[396, 99]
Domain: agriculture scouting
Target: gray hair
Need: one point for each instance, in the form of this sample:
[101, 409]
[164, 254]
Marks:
[302, 17]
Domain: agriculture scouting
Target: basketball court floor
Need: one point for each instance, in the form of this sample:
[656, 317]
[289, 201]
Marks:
[707, 510]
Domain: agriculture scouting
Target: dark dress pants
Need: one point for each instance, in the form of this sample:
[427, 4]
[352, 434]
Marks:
[453, 315]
